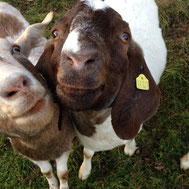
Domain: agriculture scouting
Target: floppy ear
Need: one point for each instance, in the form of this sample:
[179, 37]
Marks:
[132, 106]
[45, 67]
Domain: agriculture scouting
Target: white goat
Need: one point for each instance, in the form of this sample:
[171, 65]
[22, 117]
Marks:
[28, 115]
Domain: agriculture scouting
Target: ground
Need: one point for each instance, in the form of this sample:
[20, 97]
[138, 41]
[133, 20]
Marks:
[163, 140]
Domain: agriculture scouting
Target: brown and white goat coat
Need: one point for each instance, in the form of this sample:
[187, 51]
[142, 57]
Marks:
[92, 62]
[28, 115]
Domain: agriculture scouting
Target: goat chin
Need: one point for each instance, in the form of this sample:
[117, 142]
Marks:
[39, 118]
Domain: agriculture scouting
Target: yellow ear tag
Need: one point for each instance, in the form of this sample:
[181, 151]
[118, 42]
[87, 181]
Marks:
[142, 82]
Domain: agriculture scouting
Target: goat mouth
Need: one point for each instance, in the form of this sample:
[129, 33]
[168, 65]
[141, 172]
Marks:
[79, 99]
[36, 107]
[71, 90]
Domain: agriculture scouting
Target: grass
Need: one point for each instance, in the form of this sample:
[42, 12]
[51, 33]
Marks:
[164, 139]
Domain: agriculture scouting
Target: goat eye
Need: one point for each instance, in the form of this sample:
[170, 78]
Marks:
[15, 49]
[124, 37]
[55, 34]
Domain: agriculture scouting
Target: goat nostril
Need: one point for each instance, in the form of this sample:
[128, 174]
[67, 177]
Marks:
[90, 61]
[68, 58]
[14, 86]
[10, 94]
[25, 82]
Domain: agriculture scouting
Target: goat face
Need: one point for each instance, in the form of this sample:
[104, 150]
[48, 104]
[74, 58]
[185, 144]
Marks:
[85, 58]
[24, 99]
[92, 63]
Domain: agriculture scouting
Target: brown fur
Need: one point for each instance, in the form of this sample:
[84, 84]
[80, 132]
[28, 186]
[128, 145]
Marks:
[85, 121]
[48, 174]
[49, 143]
[9, 25]
[132, 106]
[64, 177]
[109, 81]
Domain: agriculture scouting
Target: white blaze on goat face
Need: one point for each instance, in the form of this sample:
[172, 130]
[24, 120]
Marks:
[72, 43]
[95, 4]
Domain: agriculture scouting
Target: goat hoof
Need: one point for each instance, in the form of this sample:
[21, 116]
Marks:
[184, 162]
[84, 172]
[64, 187]
[54, 187]
[130, 151]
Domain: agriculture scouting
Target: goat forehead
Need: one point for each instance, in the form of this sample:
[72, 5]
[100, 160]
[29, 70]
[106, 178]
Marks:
[95, 4]
[72, 42]
[1, 57]
[91, 25]
[9, 65]
[94, 26]
[5, 57]
[4, 45]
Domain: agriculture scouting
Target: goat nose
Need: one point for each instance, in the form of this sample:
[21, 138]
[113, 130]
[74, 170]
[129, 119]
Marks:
[80, 61]
[15, 86]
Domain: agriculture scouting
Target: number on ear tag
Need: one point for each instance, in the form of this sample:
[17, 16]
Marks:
[142, 82]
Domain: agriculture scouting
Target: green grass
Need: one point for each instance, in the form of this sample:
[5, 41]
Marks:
[163, 140]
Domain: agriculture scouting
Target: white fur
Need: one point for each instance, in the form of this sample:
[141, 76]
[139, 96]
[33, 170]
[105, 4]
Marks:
[10, 70]
[103, 139]
[143, 20]
[46, 167]
[5, 45]
[16, 109]
[86, 166]
[72, 42]
[37, 52]
[61, 165]
[96, 4]
[130, 148]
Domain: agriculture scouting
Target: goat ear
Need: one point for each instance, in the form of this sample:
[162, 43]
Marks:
[45, 67]
[33, 36]
[133, 106]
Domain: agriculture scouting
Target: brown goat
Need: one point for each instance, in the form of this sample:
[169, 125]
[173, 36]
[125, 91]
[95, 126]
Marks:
[92, 63]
